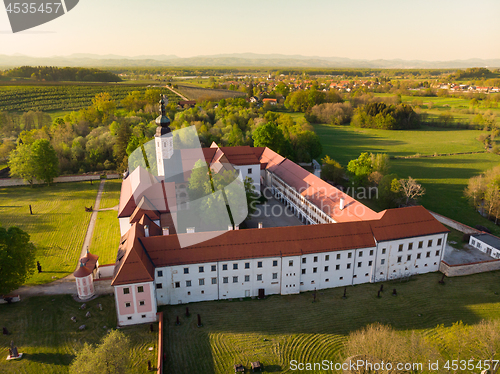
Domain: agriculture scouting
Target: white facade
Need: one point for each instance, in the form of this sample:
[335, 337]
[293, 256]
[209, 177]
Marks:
[220, 280]
[405, 257]
[490, 250]
[250, 171]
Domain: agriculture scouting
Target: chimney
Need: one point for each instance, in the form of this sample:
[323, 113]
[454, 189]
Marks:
[190, 230]
[260, 225]
[237, 227]
[165, 230]
[229, 227]
[341, 205]
[146, 231]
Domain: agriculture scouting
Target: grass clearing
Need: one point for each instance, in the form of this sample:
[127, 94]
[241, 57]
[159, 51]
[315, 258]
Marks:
[111, 194]
[42, 330]
[282, 328]
[106, 237]
[58, 224]
[444, 177]
[107, 229]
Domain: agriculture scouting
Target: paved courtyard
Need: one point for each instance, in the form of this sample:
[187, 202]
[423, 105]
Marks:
[466, 255]
[273, 214]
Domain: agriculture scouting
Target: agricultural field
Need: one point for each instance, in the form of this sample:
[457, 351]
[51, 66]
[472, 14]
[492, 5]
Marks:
[460, 108]
[282, 328]
[201, 94]
[58, 224]
[42, 330]
[63, 97]
[107, 229]
[444, 177]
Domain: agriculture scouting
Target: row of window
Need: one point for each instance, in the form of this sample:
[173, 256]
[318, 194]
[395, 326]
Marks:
[141, 303]
[201, 269]
[201, 281]
[126, 290]
[420, 245]
[408, 258]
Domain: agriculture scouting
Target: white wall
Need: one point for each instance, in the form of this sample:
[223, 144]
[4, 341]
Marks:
[483, 247]
[422, 260]
[124, 225]
[333, 269]
[254, 174]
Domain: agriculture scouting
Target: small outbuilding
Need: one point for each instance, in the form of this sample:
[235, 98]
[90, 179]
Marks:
[486, 243]
[84, 276]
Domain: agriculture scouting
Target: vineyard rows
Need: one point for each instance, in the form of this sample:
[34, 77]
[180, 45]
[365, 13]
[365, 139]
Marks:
[64, 97]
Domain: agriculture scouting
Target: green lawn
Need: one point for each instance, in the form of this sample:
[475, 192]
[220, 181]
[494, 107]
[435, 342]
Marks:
[107, 229]
[444, 177]
[282, 328]
[111, 194]
[42, 330]
[58, 224]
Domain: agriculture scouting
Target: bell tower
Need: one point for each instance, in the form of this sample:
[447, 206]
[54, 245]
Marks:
[164, 143]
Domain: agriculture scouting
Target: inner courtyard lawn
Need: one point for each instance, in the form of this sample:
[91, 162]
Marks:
[284, 328]
[58, 224]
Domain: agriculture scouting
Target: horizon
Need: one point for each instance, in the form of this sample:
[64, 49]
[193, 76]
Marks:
[358, 30]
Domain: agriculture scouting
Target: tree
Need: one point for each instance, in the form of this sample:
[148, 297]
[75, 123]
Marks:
[389, 191]
[360, 169]
[411, 189]
[21, 163]
[331, 170]
[379, 343]
[109, 357]
[17, 258]
[269, 135]
[45, 161]
[307, 146]
[36, 161]
[122, 139]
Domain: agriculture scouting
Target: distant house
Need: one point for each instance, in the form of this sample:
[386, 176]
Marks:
[189, 103]
[270, 101]
[486, 243]
[253, 99]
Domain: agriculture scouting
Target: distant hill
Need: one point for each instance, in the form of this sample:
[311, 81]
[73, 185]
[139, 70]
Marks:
[239, 60]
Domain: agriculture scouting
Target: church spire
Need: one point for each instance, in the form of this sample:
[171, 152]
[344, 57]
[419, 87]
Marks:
[162, 121]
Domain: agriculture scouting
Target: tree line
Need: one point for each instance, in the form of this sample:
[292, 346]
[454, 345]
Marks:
[53, 73]
[102, 136]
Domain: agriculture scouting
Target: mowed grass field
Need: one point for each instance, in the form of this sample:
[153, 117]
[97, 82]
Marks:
[42, 329]
[58, 224]
[444, 177]
[107, 229]
[284, 328]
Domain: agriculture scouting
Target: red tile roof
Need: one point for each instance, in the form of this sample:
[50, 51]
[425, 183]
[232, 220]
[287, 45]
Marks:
[242, 155]
[406, 223]
[133, 264]
[322, 194]
[260, 243]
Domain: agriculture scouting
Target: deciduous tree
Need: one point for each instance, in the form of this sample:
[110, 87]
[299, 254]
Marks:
[17, 258]
[411, 189]
[109, 357]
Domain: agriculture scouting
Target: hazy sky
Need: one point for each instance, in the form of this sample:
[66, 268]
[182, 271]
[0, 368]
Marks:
[360, 29]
